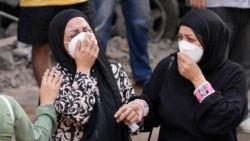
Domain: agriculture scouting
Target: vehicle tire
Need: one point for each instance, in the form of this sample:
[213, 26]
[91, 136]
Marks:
[171, 10]
[164, 17]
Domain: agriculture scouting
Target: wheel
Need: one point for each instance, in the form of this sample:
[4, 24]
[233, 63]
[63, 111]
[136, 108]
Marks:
[164, 17]
[171, 10]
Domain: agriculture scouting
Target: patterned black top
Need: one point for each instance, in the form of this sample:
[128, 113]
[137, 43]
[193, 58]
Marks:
[76, 99]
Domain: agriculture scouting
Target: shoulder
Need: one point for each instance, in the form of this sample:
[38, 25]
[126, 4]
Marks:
[230, 73]
[117, 70]
[115, 63]
[14, 105]
[166, 63]
[115, 66]
[64, 71]
[10, 99]
[59, 67]
[233, 66]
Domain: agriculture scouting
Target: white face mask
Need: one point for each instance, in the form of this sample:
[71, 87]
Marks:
[192, 51]
[73, 42]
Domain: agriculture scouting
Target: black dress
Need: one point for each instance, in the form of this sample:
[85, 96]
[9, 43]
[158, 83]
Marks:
[171, 99]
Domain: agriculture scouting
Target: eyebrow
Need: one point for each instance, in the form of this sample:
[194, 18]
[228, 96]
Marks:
[190, 35]
[76, 30]
[186, 34]
[85, 28]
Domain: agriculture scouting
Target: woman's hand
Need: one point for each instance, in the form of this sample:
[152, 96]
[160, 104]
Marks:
[86, 53]
[130, 113]
[50, 85]
[190, 70]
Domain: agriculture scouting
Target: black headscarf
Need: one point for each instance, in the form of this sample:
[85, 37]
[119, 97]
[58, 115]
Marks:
[213, 35]
[109, 92]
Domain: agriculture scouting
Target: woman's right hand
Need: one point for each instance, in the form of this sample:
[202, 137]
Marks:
[50, 85]
[86, 53]
[190, 70]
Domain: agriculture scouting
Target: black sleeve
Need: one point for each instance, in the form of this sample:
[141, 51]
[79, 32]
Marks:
[222, 111]
[151, 91]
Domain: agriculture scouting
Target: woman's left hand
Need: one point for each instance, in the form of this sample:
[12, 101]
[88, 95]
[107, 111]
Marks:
[51, 82]
[190, 70]
[130, 113]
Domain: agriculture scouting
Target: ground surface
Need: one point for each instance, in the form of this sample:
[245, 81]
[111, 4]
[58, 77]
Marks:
[16, 76]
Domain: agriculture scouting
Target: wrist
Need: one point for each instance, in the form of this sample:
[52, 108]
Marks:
[143, 105]
[199, 82]
[203, 91]
[83, 70]
[46, 102]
